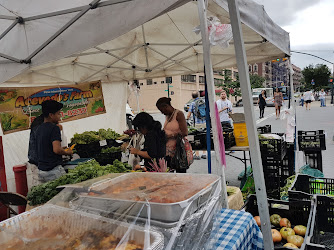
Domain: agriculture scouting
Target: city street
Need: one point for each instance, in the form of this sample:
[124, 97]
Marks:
[314, 119]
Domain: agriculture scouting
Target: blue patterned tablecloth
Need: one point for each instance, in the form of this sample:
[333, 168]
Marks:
[234, 229]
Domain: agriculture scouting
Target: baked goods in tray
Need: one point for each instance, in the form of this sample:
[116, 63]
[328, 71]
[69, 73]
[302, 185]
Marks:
[158, 188]
[92, 239]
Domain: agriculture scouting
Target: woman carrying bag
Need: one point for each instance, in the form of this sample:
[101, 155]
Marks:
[178, 149]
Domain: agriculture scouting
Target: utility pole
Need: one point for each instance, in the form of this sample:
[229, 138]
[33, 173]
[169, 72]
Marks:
[168, 88]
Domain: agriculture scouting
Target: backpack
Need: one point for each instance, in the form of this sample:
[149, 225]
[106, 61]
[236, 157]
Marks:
[199, 108]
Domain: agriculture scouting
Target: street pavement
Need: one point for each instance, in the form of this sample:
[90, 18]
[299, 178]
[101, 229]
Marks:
[314, 119]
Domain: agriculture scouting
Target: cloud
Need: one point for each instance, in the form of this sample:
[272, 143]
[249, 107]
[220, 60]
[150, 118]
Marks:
[284, 12]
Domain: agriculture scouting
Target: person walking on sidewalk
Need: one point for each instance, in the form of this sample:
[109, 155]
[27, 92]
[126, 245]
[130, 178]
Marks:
[278, 100]
[322, 96]
[302, 99]
[308, 97]
[262, 102]
[224, 108]
[199, 120]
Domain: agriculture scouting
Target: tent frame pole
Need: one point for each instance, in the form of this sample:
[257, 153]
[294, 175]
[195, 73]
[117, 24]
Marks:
[173, 61]
[9, 28]
[92, 5]
[250, 121]
[211, 95]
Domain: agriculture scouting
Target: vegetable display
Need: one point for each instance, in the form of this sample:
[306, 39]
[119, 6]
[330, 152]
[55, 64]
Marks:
[94, 136]
[293, 237]
[284, 190]
[84, 171]
[111, 150]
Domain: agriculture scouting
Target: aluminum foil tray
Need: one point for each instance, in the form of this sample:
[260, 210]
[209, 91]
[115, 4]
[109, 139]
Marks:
[156, 211]
[51, 227]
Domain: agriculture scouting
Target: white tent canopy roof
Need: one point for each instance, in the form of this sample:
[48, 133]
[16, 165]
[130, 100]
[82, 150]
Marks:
[121, 40]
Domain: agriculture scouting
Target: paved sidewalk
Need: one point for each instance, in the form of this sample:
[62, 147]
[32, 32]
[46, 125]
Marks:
[314, 119]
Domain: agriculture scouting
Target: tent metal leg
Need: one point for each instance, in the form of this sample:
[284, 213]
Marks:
[250, 121]
[211, 95]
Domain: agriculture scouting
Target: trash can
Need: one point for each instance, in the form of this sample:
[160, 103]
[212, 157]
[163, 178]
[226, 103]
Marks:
[21, 182]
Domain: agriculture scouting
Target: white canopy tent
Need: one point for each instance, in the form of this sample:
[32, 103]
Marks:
[58, 43]
[130, 40]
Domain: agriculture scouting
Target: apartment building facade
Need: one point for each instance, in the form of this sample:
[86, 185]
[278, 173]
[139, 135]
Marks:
[181, 88]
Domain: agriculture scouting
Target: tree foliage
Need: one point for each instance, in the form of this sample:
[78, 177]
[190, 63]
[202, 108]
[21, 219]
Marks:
[233, 87]
[320, 74]
[256, 81]
[229, 85]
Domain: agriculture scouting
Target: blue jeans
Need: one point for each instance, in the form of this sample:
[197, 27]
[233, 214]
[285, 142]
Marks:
[302, 102]
[322, 102]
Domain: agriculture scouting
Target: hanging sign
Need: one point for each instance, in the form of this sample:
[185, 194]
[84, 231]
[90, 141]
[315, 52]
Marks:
[20, 106]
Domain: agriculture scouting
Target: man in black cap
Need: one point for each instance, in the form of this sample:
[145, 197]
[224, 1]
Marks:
[48, 140]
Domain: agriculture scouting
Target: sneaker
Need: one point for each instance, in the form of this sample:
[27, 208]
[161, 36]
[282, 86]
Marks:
[196, 157]
[203, 156]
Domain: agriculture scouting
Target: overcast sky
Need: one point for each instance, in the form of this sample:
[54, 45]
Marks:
[311, 27]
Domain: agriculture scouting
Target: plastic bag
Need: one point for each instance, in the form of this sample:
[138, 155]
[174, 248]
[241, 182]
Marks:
[219, 34]
[310, 171]
[180, 160]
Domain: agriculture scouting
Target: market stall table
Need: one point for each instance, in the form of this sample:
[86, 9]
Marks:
[244, 159]
[234, 229]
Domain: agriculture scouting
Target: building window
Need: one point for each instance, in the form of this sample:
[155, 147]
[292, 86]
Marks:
[162, 82]
[255, 67]
[218, 72]
[188, 78]
[250, 68]
[218, 81]
[169, 79]
[155, 82]
[201, 79]
[141, 83]
[228, 72]
[149, 82]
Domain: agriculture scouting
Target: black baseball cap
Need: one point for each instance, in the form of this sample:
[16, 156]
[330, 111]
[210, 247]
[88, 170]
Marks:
[51, 107]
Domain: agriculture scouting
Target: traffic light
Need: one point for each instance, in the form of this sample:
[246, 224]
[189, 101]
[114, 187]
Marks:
[279, 60]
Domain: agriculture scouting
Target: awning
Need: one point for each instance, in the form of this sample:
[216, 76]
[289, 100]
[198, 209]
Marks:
[109, 44]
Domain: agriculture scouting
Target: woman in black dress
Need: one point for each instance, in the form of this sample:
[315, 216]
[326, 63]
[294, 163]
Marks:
[262, 102]
[155, 140]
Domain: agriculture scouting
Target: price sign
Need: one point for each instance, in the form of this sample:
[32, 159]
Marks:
[103, 143]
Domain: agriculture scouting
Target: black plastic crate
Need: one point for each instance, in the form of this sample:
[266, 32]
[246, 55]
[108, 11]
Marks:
[311, 140]
[289, 159]
[229, 139]
[113, 143]
[273, 147]
[321, 234]
[88, 150]
[314, 159]
[199, 141]
[264, 129]
[305, 186]
[297, 212]
[108, 158]
[275, 175]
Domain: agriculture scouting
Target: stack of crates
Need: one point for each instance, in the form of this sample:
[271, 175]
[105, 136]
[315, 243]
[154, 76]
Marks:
[321, 190]
[312, 143]
[276, 166]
